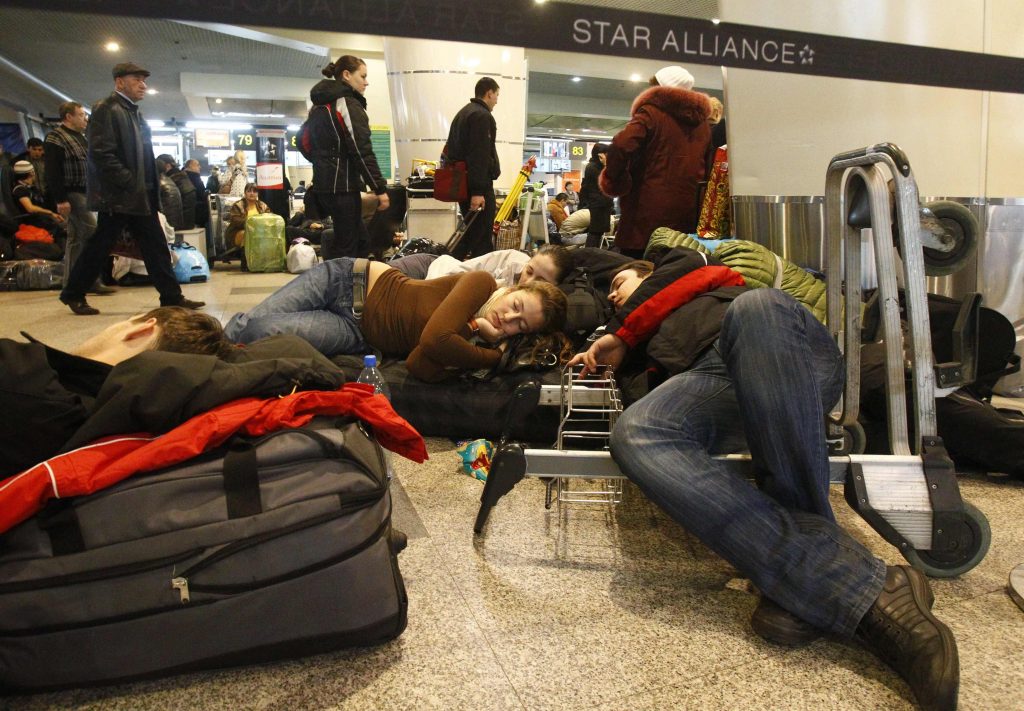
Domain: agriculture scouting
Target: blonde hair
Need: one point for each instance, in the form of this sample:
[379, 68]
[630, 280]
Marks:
[553, 303]
[495, 295]
[240, 157]
[716, 110]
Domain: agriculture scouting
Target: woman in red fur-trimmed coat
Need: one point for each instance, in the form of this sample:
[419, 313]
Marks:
[656, 161]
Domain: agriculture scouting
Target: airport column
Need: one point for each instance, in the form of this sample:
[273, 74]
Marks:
[430, 81]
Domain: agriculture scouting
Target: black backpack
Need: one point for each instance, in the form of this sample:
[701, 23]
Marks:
[319, 121]
[587, 310]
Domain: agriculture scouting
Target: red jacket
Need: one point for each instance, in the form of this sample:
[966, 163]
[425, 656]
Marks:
[111, 459]
[655, 163]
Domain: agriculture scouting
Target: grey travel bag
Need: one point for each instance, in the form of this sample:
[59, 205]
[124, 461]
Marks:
[269, 548]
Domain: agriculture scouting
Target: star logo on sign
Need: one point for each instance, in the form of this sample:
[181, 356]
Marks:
[806, 55]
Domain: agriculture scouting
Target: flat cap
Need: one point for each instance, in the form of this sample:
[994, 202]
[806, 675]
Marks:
[125, 68]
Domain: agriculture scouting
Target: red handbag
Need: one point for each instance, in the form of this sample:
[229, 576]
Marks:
[451, 180]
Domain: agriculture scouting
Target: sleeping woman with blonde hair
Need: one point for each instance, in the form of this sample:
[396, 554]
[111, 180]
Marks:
[440, 326]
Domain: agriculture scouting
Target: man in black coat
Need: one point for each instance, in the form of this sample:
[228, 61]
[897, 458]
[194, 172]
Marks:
[121, 180]
[186, 190]
[471, 139]
[202, 197]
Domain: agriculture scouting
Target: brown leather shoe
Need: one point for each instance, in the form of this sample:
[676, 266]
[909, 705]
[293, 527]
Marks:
[80, 307]
[780, 626]
[901, 629]
[190, 304]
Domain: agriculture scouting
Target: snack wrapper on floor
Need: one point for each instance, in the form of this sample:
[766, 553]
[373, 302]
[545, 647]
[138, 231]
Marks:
[476, 457]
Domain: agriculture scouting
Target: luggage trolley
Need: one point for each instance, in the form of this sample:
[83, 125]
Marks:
[426, 217]
[911, 496]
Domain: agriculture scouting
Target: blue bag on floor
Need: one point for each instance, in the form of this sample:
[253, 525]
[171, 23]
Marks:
[190, 266]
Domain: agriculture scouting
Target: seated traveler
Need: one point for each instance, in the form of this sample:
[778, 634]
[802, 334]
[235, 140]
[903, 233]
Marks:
[29, 200]
[346, 306]
[576, 223]
[239, 212]
[754, 370]
[556, 209]
[301, 226]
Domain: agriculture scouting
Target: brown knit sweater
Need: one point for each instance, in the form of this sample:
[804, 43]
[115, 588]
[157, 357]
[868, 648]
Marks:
[427, 322]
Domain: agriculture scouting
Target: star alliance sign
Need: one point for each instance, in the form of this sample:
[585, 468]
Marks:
[713, 45]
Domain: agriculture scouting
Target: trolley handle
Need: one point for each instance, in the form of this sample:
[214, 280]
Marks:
[890, 149]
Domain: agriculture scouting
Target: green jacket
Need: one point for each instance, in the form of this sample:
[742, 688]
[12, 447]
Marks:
[759, 266]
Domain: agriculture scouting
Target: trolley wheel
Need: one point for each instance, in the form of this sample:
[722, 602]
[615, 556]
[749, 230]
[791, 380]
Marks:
[937, 568]
[855, 441]
[958, 221]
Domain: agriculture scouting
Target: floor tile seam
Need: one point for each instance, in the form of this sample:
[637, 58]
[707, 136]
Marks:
[669, 685]
[448, 571]
[959, 601]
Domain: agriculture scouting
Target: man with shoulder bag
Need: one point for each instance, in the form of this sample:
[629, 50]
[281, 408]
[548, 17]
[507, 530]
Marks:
[471, 139]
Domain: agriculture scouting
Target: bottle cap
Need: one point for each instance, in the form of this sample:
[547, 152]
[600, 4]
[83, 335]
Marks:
[370, 361]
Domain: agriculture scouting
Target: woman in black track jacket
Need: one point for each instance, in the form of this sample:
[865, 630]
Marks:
[342, 155]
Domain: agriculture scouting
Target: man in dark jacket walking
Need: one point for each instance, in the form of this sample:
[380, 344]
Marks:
[121, 179]
[471, 139]
[758, 373]
[65, 151]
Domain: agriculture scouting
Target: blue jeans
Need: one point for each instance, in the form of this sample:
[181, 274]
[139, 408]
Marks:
[316, 305]
[764, 386]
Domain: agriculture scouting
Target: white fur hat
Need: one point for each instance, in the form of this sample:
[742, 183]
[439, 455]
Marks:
[674, 76]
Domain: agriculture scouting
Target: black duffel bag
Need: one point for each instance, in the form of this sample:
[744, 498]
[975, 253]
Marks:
[264, 549]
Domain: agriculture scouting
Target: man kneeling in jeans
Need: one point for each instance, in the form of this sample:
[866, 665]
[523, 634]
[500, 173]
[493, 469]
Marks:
[752, 369]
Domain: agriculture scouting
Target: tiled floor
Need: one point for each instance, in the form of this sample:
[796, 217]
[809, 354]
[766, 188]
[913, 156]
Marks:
[599, 608]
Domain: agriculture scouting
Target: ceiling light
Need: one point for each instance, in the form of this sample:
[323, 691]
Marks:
[245, 114]
[155, 123]
[635, 77]
[152, 91]
[218, 101]
[219, 124]
[112, 46]
[577, 79]
[715, 20]
[540, 2]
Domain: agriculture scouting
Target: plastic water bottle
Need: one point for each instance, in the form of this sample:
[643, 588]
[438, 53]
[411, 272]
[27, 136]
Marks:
[371, 376]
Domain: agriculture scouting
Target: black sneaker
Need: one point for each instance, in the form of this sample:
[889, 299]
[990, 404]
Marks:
[901, 629]
[80, 306]
[780, 626]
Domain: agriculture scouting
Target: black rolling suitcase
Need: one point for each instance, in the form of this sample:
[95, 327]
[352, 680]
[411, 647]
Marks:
[269, 548]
